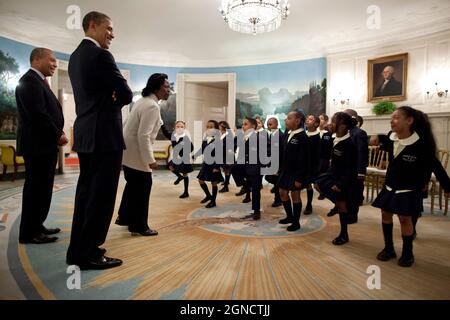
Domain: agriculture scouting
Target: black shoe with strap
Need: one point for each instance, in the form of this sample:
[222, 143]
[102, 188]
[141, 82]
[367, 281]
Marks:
[224, 189]
[211, 204]
[386, 255]
[340, 240]
[406, 261]
[286, 220]
[206, 199]
[184, 195]
[332, 212]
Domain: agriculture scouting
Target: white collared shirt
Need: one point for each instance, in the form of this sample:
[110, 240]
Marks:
[93, 40]
[248, 134]
[322, 132]
[293, 133]
[38, 72]
[313, 133]
[400, 144]
[339, 139]
[223, 135]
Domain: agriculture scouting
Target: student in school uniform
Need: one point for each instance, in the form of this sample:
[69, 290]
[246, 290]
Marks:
[294, 168]
[276, 136]
[412, 158]
[338, 184]
[326, 144]
[180, 163]
[312, 125]
[210, 170]
[227, 141]
[249, 165]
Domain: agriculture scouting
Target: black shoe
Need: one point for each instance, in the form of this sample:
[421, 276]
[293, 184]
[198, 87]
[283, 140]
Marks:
[406, 261]
[340, 240]
[241, 192]
[211, 204]
[307, 211]
[321, 197]
[252, 216]
[39, 239]
[386, 255]
[352, 218]
[48, 232]
[332, 212]
[276, 204]
[286, 220]
[184, 195]
[256, 216]
[294, 226]
[224, 189]
[205, 200]
[179, 179]
[146, 233]
[247, 200]
[101, 263]
[121, 223]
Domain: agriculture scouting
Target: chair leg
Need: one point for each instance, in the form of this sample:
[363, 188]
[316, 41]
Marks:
[15, 173]
[432, 190]
[367, 187]
[4, 171]
[440, 196]
[446, 206]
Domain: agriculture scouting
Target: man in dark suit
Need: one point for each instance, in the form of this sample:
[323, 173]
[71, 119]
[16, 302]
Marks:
[39, 133]
[100, 92]
[390, 86]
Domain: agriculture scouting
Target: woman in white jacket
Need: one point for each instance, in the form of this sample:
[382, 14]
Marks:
[140, 131]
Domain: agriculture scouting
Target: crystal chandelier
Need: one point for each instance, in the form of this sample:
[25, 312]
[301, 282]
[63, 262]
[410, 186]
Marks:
[254, 16]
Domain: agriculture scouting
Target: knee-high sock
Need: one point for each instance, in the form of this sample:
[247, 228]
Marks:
[407, 246]
[186, 184]
[227, 179]
[288, 208]
[205, 189]
[214, 193]
[414, 221]
[387, 232]
[297, 211]
[343, 219]
[309, 194]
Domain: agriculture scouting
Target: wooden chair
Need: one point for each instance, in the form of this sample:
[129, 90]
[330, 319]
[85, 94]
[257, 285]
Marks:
[9, 158]
[436, 189]
[376, 170]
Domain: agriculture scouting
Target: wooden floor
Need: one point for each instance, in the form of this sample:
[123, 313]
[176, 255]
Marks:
[185, 261]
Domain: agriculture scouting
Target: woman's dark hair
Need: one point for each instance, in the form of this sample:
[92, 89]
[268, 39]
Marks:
[216, 124]
[422, 126]
[300, 115]
[325, 117]
[316, 118]
[154, 83]
[344, 118]
[252, 122]
[224, 124]
[360, 121]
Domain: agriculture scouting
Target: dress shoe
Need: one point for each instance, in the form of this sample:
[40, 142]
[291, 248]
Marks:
[224, 189]
[332, 212]
[120, 222]
[406, 261]
[241, 192]
[146, 233]
[308, 210]
[39, 239]
[276, 204]
[184, 195]
[101, 263]
[205, 200]
[211, 204]
[386, 255]
[48, 232]
[340, 240]
[247, 200]
[294, 226]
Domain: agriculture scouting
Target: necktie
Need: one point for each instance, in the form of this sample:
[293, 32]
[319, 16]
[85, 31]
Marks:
[46, 83]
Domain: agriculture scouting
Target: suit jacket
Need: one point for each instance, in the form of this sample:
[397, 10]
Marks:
[392, 88]
[94, 76]
[41, 119]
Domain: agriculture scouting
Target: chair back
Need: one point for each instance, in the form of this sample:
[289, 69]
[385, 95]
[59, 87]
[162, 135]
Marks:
[7, 156]
[377, 158]
[443, 157]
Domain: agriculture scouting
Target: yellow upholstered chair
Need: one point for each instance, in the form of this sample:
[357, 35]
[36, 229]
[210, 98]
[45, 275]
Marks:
[376, 170]
[163, 154]
[9, 158]
[436, 189]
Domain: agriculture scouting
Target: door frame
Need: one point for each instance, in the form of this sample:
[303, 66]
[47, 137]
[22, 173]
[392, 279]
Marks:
[184, 78]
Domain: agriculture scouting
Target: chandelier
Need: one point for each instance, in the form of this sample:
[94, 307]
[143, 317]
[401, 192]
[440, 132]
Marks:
[254, 16]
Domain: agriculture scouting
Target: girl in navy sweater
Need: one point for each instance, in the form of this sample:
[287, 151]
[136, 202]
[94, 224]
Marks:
[294, 166]
[412, 157]
[340, 179]
[312, 124]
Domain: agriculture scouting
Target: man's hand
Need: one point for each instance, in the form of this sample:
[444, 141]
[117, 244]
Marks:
[153, 165]
[114, 98]
[63, 140]
[335, 189]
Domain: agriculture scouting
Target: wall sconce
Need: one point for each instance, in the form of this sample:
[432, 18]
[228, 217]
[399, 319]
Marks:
[439, 93]
[342, 101]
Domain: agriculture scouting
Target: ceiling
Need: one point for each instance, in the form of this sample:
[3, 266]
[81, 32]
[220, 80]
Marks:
[192, 32]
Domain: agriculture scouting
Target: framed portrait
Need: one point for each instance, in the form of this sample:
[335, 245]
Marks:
[387, 78]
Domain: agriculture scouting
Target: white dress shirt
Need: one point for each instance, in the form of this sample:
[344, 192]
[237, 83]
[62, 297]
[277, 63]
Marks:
[139, 133]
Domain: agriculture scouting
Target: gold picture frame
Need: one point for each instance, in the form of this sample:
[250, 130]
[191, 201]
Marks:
[387, 78]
